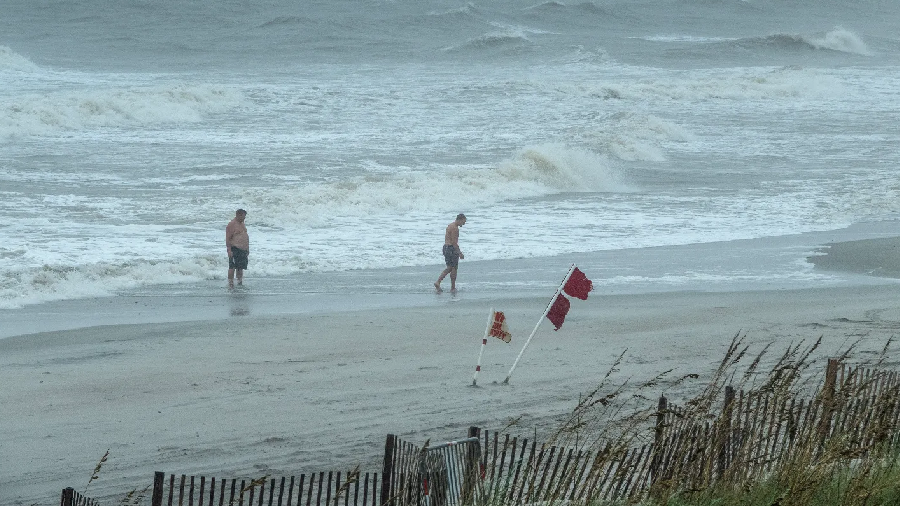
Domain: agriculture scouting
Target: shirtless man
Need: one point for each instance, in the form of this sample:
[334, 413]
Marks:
[452, 253]
[237, 242]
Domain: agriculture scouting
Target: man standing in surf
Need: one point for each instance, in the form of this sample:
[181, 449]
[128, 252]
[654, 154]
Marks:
[237, 242]
[452, 253]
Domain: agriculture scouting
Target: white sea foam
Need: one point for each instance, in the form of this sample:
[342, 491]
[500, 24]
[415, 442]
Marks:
[633, 137]
[87, 272]
[35, 114]
[750, 83]
[560, 167]
[499, 37]
[103, 245]
[61, 282]
[10, 61]
[719, 280]
[503, 35]
[555, 125]
[535, 171]
[743, 84]
[694, 39]
[838, 39]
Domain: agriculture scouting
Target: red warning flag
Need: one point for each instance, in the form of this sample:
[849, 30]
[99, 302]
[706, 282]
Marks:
[578, 285]
[558, 311]
[499, 328]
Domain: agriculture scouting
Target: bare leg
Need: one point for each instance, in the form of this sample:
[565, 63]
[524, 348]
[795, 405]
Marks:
[240, 276]
[437, 284]
[453, 280]
[231, 278]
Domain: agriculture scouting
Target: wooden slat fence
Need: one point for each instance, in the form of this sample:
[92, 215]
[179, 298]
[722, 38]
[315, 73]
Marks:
[314, 489]
[399, 473]
[399, 484]
[449, 473]
[756, 431]
[72, 498]
[855, 408]
[519, 471]
[753, 433]
[443, 474]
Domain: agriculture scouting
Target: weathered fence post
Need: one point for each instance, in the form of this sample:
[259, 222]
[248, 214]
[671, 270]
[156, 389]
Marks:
[387, 468]
[158, 478]
[661, 409]
[828, 398]
[472, 474]
[660, 417]
[68, 494]
[724, 439]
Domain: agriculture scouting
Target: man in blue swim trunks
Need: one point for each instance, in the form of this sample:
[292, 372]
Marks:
[452, 253]
[237, 242]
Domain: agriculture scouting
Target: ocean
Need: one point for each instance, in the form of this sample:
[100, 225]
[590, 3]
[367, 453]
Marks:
[353, 132]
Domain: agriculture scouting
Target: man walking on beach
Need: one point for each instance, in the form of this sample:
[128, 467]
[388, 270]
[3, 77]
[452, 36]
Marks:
[452, 253]
[237, 242]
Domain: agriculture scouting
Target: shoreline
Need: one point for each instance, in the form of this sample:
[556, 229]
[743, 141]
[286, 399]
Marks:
[879, 257]
[862, 254]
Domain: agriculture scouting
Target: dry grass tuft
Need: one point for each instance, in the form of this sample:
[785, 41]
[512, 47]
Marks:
[96, 474]
[763, 430]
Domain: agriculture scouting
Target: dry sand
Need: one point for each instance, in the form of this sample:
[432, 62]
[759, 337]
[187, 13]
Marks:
[247, 396]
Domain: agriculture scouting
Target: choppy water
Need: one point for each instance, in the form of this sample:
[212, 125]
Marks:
[353, 132]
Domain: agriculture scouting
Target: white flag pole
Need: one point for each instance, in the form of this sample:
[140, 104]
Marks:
[483, 343]
[547, 310]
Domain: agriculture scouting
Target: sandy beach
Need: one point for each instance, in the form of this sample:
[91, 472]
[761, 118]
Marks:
[716, 168]
[277, 394]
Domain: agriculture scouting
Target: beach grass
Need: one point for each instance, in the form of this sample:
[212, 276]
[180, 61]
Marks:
[845, 452]
[875, 486]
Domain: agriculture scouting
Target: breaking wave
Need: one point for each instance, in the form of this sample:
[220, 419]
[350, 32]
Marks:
[532, 172]
[535, 171]
[35, 114]
[633, 137]
[573, 9]
[729, 84]
[61, 282]
[503, 36]
[838, 39]
[466, 10]
[10, 61]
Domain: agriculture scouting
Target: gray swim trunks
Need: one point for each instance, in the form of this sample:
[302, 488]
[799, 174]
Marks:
[238, 259]
[451, 255]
